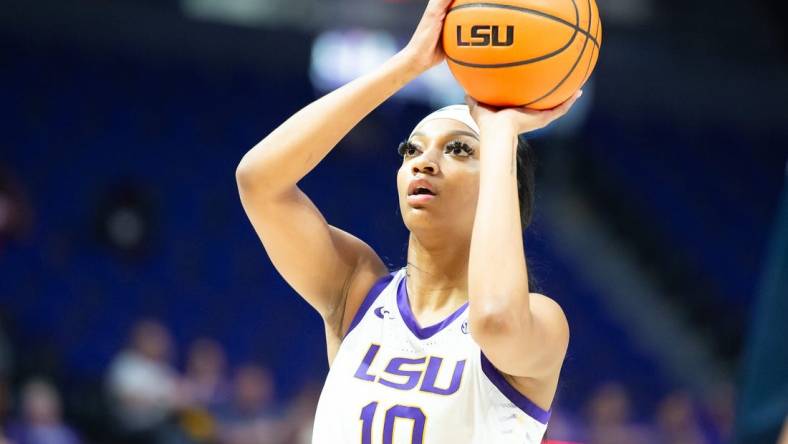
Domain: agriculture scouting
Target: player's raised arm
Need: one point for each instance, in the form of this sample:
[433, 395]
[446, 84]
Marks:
[522, 334]
[322, 263]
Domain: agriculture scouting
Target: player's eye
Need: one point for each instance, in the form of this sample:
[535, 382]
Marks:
[459, 148]
[407, 149]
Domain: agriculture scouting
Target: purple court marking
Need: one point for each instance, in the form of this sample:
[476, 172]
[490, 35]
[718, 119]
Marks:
[511, 393]
[369, 299]
[410, 320]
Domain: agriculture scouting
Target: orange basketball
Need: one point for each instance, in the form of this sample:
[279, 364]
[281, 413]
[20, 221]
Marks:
[533, 53]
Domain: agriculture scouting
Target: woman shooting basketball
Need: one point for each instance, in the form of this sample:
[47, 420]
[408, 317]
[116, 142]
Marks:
[487, 367]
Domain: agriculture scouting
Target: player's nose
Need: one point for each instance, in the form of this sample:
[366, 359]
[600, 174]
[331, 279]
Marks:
[425, 164]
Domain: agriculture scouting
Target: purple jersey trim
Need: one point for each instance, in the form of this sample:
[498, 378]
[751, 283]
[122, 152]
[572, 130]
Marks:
[410, 320]
[511, 393]
[369, 299]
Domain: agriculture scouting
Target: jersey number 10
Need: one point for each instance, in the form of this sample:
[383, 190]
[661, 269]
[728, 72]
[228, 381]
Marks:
[397, 411]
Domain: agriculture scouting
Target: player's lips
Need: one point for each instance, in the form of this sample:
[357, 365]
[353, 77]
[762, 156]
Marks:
[420, 191]
[420, 187]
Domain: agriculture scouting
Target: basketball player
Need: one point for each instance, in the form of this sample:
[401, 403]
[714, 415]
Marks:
[452, 348]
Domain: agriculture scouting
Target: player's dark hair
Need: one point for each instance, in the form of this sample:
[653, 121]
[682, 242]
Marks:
[526, 172]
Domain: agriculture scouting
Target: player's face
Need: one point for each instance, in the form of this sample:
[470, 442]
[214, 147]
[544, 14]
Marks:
[438, 182]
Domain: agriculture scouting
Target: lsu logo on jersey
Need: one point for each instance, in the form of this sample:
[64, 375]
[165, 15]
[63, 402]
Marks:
[412, 370]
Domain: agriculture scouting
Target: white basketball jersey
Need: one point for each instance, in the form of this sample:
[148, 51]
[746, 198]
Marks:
[394, 382]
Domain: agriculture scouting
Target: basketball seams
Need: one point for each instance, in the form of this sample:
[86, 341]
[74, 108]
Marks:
[518, 63]
[529, 11]
[591, 59]
[576, 28]
[577, 62]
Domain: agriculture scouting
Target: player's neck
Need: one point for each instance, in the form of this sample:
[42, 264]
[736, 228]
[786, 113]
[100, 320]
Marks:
[437, 275]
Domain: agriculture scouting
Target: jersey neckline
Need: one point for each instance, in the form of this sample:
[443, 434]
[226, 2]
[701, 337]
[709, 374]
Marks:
[403, 303]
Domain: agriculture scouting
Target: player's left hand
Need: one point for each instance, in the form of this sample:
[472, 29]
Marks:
[425, 49]
[521, 120]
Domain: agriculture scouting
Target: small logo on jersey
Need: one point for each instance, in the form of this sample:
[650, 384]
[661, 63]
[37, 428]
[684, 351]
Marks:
[507, 418]
[382, 312]
[464, 327]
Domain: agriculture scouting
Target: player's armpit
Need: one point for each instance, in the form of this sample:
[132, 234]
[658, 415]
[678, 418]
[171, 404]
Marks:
[531, 346]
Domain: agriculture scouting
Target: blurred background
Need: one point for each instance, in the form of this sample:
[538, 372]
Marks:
[137, 305]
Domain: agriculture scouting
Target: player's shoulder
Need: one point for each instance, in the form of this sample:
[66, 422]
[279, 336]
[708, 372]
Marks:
[366, 284]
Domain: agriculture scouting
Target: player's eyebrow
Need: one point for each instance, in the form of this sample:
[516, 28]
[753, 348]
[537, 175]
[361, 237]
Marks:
[451, 133]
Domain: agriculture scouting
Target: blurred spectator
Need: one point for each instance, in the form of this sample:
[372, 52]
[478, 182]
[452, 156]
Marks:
[41, 421]
[251, 417]
[205, 384]
[677, 421]
[5, 404]
[721, 409]
[6, 369]
[15, 214]
[784, 435]
[204, 388]
[125, 219]
[142, 384]
[610, 418]
[301, 415]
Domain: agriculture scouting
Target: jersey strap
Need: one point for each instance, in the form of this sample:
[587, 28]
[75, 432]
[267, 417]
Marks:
[369, 299]
[511, 393]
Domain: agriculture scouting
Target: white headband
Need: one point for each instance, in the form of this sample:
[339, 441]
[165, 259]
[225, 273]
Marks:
[460, 113]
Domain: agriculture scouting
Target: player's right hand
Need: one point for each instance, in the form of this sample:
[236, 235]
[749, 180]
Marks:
[425, 49]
